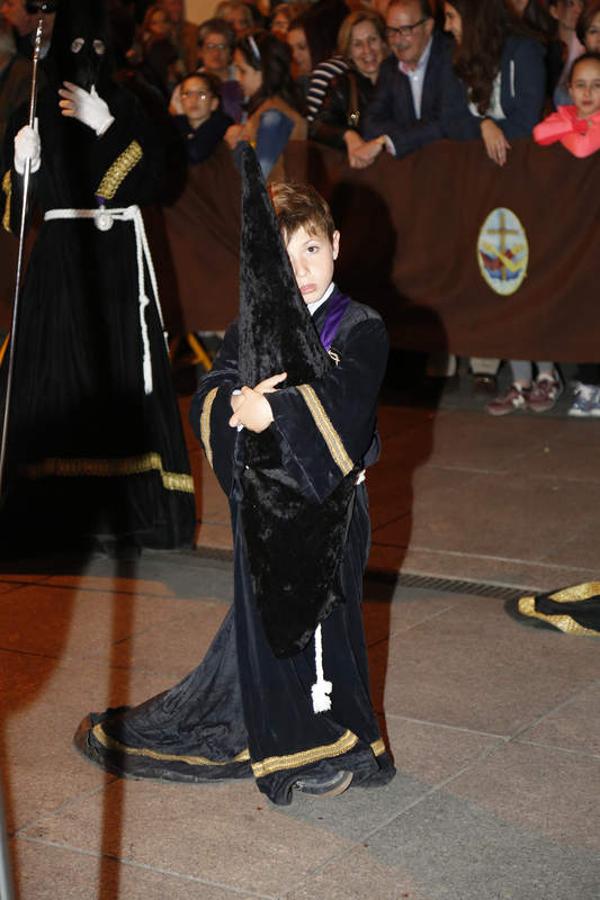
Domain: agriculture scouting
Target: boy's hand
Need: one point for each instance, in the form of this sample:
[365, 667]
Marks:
[268, 385]
[253, 412]
[248, 411]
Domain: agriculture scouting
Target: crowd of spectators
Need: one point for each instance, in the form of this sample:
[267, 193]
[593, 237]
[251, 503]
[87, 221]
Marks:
[368, 77]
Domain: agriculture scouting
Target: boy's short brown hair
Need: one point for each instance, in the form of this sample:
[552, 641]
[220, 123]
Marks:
[301, 206]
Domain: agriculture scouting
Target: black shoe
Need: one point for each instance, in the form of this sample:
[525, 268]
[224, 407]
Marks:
[325, 787]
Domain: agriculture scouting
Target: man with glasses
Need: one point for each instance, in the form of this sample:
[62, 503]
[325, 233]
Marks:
[404, 114]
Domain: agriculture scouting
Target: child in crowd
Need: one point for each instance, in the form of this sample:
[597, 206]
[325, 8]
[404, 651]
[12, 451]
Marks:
[203, 123]
[577, 128]
[282, 694]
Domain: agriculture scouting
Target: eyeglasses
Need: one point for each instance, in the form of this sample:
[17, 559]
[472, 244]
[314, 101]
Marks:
[214, 46]
[404, 30]
[201, 95]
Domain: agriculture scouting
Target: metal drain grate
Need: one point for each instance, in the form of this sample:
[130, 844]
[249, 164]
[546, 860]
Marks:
[449, 585]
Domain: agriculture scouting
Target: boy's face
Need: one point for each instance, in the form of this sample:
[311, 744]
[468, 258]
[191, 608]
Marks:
[585, 88]
[312, 257]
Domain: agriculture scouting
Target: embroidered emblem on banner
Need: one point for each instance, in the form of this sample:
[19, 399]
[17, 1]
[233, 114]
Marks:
[503, 252]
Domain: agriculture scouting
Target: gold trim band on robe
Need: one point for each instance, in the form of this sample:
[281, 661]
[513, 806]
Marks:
[110, 743]
[205, 424]
[7, 188]
[119, 170]
[109, 468]
[378, 747]
[564, 623]
[325, 426]
[294, 760]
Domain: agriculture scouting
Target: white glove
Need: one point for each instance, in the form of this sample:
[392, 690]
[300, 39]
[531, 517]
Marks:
[89, 108]
[28, 146]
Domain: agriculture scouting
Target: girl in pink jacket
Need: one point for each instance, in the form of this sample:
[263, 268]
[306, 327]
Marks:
[577, 127]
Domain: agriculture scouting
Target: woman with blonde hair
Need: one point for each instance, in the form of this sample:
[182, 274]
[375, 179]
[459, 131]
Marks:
[361, 42]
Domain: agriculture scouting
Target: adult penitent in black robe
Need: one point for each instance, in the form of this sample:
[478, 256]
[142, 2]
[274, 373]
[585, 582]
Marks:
[95, 443]
[248, 709]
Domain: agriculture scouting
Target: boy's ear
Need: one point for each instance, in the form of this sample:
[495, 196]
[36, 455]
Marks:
[213, 104]
[335, 244]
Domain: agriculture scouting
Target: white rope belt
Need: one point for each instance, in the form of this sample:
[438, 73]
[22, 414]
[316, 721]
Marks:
[103, 219]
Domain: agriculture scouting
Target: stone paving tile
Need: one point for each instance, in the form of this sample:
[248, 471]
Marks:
[497, 513]
[579, 547]
[356, 876]
[468, 440]
[573, 726]
[55, 873]
[477, 668]
[41, 709]
[230, 831]
[388, 611]
[432, 753]
[540, 790]
[448, 848]
[176, 646]
[425, 755]
[63, 622]
[571, 452]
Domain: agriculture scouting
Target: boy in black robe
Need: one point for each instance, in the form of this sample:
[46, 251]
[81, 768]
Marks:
[283, 691]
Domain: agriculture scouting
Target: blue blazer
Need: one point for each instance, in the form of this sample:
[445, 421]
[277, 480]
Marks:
[522, 93]
[391, 110]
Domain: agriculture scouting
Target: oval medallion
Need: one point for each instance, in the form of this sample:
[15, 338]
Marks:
[503, 251]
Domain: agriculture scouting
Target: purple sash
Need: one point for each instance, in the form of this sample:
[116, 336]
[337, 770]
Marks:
[338, 307]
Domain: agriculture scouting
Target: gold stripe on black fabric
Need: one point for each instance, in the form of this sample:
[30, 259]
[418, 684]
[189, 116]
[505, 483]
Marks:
[325, 426]
[109, 468]
[378, 747]
[584, 591]
[111, 744]
[205, 424]
[118, 172]
[277, 763]
[7, 188]
[565, 623]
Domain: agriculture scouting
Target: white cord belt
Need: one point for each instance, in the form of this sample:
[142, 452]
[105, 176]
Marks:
[103, 220]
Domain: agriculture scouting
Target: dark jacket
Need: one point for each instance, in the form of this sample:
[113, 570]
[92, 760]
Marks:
[392, 110]
[331, 121]
[201, 142]
[522, 93]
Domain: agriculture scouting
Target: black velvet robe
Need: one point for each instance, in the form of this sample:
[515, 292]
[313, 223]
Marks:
[244, 711]
[90, 453]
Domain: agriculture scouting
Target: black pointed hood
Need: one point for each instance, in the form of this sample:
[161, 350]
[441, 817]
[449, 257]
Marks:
[81, 47]
[276, 331]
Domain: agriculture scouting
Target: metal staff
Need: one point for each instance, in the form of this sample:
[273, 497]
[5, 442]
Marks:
[41, 7]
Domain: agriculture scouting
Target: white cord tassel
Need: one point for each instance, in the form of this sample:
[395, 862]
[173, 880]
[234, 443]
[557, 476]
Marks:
[144, 302]
[147, 360]
[321, 689]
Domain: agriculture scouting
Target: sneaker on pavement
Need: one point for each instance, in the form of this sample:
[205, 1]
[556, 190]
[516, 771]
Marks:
[586, 401]
[330, 786]
[515, 398]
[544, 394]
